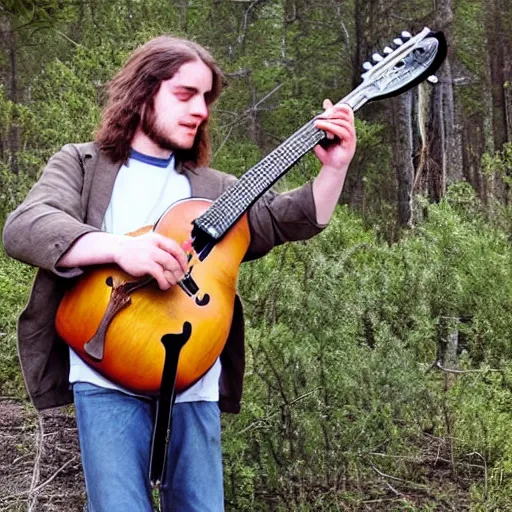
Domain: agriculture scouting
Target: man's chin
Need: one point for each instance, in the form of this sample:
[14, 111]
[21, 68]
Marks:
[175, 145]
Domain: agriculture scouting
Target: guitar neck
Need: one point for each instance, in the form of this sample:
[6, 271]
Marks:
[237, 199]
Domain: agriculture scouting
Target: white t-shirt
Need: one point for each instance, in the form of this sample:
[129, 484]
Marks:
[153, 184]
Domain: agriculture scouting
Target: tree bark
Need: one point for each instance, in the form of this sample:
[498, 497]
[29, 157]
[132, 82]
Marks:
[441, 152]
[402, 155]
[500, 43]
[13, 96]
[452, 126]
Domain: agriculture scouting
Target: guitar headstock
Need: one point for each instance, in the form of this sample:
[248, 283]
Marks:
[408, 62]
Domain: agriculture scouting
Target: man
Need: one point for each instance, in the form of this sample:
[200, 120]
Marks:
[150, 151]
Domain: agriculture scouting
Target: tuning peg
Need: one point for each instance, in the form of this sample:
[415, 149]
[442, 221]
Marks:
[398, 41]
[406, 35]
[377, 57]
[367, 66]
[388, 50]
[433, 79]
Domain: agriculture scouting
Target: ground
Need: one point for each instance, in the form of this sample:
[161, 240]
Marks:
[40, 471]
[40, 467]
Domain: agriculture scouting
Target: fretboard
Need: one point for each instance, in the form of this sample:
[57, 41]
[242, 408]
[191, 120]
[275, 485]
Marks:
[238, 198]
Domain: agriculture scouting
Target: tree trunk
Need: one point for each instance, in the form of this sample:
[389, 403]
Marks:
[13, 96]
[500, 67]
[452, 126]
[371, 30]
[440, 161]
[472, 151]
[402, 154]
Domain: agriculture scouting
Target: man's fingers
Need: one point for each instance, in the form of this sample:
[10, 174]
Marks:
[171, 277]
[154, 254]
[335, 128]
[168, 262]
[166, 276]
[338, 112]
[158, 272]
[341, 111]
[173, 248]
[327, 104]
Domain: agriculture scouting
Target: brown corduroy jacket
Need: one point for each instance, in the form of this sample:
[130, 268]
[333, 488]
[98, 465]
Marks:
[70, 200]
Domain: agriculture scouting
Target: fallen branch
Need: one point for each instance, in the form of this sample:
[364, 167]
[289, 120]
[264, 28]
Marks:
[396, 479]
[486, 476]
[260, 421]
[438, 365]
[36, 473]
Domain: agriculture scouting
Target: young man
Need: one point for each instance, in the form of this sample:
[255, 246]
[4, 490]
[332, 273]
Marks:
[150, 151]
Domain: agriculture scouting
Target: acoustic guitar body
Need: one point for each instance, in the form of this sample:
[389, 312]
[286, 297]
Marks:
[133, 354]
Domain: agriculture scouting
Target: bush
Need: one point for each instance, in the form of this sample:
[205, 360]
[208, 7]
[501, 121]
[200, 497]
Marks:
[343, 336]
[15, 281]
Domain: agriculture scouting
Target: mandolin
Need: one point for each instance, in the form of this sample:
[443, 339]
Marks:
[122, 326]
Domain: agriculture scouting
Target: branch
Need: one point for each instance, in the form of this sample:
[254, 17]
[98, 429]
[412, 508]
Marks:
[36, 473]
[254, 424]
[240, 73]
[224, 141]
[486, 476]
[252, 108]
[238, 119]
[396, 479]
[68, 38]
[241, 37]
[44, 484]
[275, 89]
[438, 365]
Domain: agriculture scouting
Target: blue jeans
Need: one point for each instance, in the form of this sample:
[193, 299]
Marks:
[115, 438]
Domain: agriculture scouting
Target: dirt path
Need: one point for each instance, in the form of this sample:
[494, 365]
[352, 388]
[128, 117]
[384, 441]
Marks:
[40, 466]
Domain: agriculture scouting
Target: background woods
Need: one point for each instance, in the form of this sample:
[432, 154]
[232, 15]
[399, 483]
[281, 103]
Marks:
[379, 356]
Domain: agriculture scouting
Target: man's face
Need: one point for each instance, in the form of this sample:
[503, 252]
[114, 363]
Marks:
[179, 107]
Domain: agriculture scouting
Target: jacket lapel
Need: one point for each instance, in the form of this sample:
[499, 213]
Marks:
[102, 174]
[203, 182]
[197, 187]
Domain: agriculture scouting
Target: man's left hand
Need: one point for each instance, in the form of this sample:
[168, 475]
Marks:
[338, 123]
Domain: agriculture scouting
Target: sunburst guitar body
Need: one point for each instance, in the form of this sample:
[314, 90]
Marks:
[133, 354]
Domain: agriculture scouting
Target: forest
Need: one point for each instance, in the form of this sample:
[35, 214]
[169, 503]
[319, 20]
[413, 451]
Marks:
[378, 354]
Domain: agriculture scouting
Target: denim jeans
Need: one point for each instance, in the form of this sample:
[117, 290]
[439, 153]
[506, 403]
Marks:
[115, 437]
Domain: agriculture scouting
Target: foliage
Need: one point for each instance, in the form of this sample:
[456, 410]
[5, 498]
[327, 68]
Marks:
[35, 14]
[14, 286]
[343, 334]
[341, 386]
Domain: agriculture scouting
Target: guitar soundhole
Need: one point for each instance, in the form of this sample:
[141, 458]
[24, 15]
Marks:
[109, 281]
[202, 302]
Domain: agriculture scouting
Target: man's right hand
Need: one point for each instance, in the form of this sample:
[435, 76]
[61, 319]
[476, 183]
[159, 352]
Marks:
[152, 254]
[148, 254]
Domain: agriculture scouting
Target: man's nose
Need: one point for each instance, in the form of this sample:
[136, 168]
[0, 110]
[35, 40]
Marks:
[200, 108]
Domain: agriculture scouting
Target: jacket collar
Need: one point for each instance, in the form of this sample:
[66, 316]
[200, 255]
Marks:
[102, 173]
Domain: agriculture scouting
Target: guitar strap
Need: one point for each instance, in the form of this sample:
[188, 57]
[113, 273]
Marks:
[162, 428]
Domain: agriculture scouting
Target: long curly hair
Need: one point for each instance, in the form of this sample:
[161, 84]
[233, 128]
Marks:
[136, 85]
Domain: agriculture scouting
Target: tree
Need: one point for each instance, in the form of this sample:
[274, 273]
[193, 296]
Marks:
[20, 22]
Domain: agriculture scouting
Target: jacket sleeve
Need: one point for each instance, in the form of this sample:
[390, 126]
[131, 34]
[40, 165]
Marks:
[278, 218]
[49, 220]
